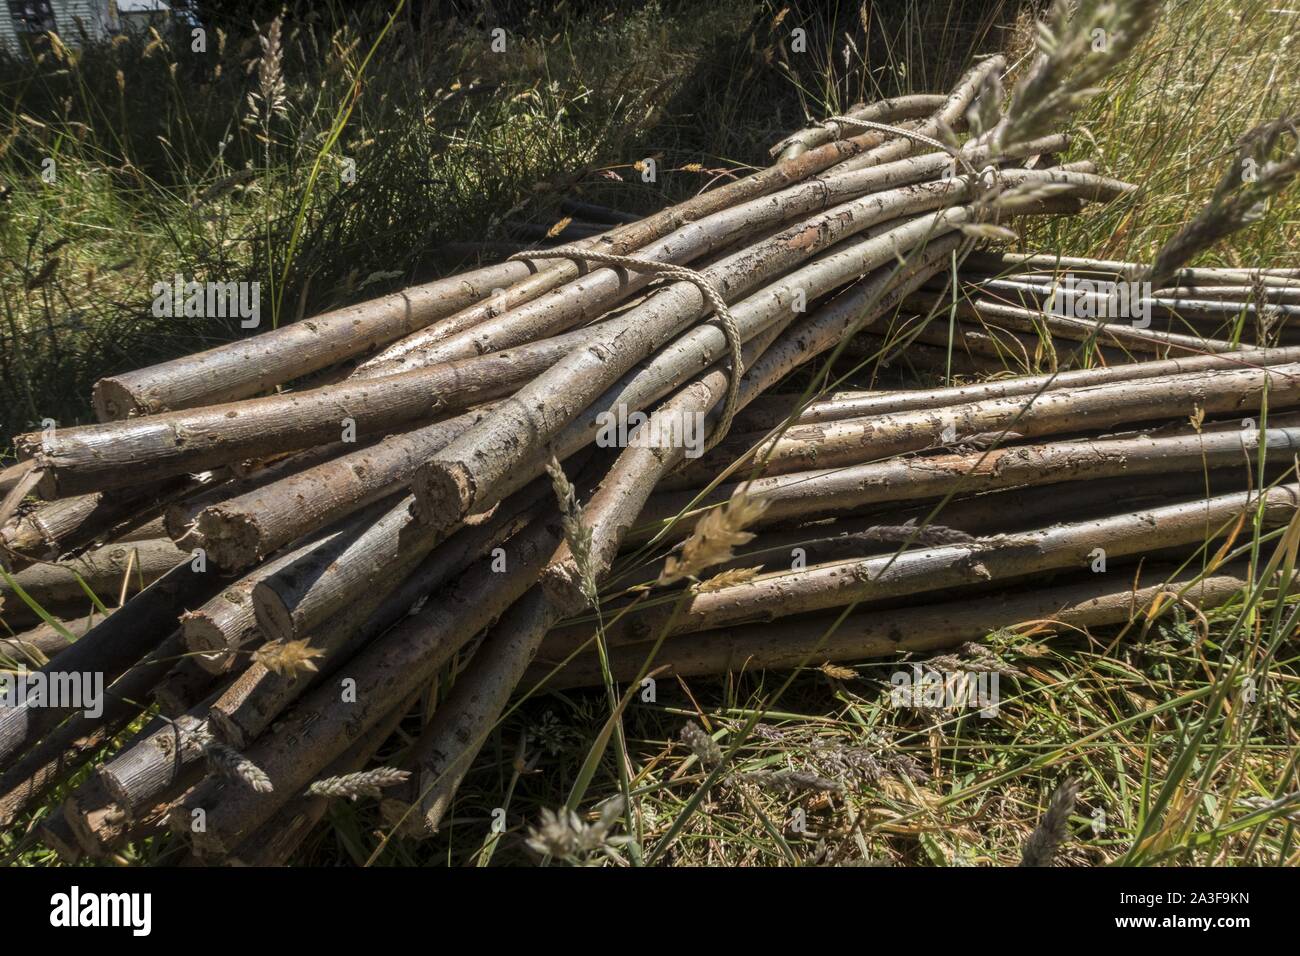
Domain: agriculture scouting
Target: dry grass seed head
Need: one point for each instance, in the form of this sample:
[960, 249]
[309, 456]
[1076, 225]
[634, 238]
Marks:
[287, 658]
[715, 536]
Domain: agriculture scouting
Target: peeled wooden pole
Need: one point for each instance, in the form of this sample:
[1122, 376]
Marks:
[180, 517]
[107, 571]
[810, 642]
[812, 494]
[989, 262]
[821, 587]
[56, 529]
[1241, 295]
[881, 528]
[303, 594]
[1188, 307]
[119, 454]
[841, 405]
[260, 362]
[157, 758]
[852, 441]
[892, 110]
[447, 747]
[1107, 332]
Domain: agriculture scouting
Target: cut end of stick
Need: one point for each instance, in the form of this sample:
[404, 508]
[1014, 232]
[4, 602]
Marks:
[201, 633]
[272, 613]
[206, 846]
[107, 782]
[56, 833]
[233, 540]
[212, 651]
[444, 493]
[562, 583]
[227, 729]
[114, 402]
[90, 810]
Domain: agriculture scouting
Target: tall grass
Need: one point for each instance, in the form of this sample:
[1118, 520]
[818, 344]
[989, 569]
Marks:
[350, 183]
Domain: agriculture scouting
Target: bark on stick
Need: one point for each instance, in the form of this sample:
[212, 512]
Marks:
[260, 362]
[321, 726]
[922, 629]
[772, 596]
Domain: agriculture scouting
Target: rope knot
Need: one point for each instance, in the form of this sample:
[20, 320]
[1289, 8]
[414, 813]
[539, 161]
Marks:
[712, 296]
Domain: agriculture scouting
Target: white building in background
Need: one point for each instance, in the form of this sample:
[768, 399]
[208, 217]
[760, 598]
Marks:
[73, 19]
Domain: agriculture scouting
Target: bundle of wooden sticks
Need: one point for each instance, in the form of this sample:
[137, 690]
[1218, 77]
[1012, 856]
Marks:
[301, 532]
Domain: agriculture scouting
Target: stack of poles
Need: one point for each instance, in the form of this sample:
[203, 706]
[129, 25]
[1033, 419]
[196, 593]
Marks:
[368, 488]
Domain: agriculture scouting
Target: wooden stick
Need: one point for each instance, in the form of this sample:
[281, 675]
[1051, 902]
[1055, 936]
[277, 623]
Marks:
[444, 752]
[104, 570]
[249, 366]
[1013, 317]
[66, 527]
[180, 517]
[842, 405]
[809, 642]
[1020, 262]
[304, 593]
[893, 110]
[1206, 308]
[852, 441]
[819, 588]
[160, 756]
[812, 494]
[118, 454]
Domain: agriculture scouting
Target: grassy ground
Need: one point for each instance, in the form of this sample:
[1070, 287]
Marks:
[451, 142]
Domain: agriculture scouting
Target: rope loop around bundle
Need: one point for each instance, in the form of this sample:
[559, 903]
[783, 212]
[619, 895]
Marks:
[994, 183]
[668, 270]
[907, 134]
